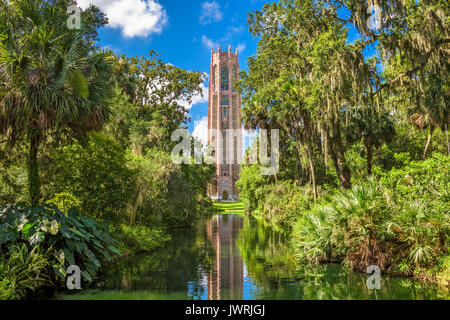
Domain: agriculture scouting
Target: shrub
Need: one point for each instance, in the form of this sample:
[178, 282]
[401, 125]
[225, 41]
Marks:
[368, 225]
[65, 201]
[138, 238]
[74, 238]
[345, 229]
[420, 180]
[250, 185]
[283, 203]
[165, 192]
[421, 234]
[96, 174]
[23, 270]
[13, 176]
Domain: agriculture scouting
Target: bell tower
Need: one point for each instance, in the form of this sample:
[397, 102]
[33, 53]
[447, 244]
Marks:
[224, 126]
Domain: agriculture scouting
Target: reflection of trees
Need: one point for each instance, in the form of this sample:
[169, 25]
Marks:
[271, 264]
[332, 281]
[266, 252]
[168, 269]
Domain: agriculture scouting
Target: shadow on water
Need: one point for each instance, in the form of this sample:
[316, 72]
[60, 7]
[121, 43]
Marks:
[235, 257]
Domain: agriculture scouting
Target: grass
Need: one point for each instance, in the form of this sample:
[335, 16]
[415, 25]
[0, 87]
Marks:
[228, 207]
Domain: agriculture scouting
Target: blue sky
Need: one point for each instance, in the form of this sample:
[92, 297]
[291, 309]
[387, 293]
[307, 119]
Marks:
[182, 32]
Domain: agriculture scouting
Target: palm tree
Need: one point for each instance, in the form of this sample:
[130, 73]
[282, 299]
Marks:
[298, 122]
[50, 82]
[373, 127]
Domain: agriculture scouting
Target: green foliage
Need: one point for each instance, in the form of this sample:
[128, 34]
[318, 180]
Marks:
[250, 185]
[51, 80]
[73, 237]
[373, 128]
[345, 229]
[13, 177]
[280, 203]
[150, 100]
[135, 238]
[65, 201]
[165, 192]
[402, 225]
[408, 140]
[442, 271]
[22, 269]
[427, 180]
[283, 203]
[96, 174]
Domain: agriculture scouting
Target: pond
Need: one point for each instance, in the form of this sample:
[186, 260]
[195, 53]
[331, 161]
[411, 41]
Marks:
[230, 256]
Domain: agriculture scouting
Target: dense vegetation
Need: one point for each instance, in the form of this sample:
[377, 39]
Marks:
[85, 148]
[362, 112]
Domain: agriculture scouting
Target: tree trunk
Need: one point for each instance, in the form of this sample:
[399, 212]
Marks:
[428, 145]
[34, 181]
[368, 146]
[336, 149]
[311, 169]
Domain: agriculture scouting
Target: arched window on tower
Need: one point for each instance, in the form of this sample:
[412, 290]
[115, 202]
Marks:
[224, 78]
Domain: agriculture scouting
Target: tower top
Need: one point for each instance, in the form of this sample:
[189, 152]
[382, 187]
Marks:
[220, 51]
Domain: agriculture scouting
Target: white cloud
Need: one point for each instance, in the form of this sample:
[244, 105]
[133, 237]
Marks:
[236, 30]
[229, 37]
[210, 12]
[241, 47]
[201, 130]
[198, 98]
[208, 43]
[135, 17]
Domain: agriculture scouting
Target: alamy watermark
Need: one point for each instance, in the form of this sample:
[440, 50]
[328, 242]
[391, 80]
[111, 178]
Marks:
[231, 143]
[74, 20]
[74, 277]
[374, 281]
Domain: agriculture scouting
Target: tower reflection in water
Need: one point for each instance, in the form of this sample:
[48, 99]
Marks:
[225, 281]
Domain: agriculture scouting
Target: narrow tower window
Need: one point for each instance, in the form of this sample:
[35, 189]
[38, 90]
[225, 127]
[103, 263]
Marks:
[224, 77]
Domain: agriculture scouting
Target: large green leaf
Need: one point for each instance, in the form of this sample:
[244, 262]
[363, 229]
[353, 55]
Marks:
[114, 250]
[54, 227]
[59, 270]
[26, 230]
[77, 232]
[86, 276]
[37, 238]
[69, 256]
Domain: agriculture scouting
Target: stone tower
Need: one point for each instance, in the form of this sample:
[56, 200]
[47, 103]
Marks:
[224, 112]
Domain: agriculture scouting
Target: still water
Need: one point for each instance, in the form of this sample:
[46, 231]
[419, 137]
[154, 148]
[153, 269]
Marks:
[237, 257]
